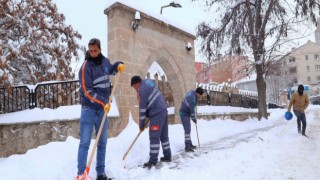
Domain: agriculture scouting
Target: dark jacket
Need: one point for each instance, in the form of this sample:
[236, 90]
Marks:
[94, 78]
[151, 100]
[188, 104]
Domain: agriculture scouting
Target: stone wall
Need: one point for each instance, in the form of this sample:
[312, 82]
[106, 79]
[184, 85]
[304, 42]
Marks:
[20, 137]
[238, 116]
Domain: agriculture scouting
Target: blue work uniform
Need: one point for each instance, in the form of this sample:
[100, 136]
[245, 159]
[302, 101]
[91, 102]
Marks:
[94, 94]
[153, 106]
[187, 111]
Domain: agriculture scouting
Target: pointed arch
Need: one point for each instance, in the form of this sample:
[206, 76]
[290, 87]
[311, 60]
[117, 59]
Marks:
[172, 71]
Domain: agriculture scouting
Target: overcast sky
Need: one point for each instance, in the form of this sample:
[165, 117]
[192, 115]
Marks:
[88, 19]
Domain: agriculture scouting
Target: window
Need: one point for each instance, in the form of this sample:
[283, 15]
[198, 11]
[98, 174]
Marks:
[318, 78]
[308, 68]
[306, 57]
[293, 70]
[316, 56]
[292, 59]
[317, 67]
[309, 79]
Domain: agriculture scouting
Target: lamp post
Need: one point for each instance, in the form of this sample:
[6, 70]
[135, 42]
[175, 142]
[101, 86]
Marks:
[172, 4]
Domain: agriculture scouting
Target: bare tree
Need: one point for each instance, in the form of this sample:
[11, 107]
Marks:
[255, 27]
[35, 44]
[276, 81]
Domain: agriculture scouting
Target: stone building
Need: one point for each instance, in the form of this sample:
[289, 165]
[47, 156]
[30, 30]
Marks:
[139, 38]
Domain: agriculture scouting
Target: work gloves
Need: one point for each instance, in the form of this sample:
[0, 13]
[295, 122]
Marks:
[121, 67]
[107, 107]
[142, 125]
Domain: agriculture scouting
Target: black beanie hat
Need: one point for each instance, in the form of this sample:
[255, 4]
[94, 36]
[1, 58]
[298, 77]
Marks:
[300, 87]
[135, 79]
[199, 90]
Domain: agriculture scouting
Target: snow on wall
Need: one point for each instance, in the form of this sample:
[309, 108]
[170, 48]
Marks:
[219, 87]
[150, 13]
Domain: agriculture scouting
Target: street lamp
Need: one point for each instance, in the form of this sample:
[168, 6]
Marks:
[172, 4]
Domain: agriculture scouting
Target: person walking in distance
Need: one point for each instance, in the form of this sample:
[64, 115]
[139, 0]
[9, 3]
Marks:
[94, 77]
[153, 106]
[300, 102]
[187, 112]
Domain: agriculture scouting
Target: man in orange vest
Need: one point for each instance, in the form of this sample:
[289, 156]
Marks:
[94, 77]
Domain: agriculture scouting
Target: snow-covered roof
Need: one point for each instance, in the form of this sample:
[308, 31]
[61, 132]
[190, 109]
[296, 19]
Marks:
[131, 4]
[298, 48]
[249, 78]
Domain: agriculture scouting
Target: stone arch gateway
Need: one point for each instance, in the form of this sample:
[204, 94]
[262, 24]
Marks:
[155, 40]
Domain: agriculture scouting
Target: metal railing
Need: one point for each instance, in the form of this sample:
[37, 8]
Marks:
[217, 98]
[42, 95]
[53, 95]
[62, 93]
[14, 99]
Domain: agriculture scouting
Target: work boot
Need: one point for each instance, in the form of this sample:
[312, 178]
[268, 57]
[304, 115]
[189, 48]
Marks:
[102, 177]
[165, 159]
[149, 164]
[189, 149]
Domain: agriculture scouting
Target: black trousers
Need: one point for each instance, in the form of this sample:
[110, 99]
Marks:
[301, 118]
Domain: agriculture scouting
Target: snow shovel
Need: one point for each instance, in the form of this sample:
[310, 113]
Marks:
[197, 131]
[135, 139]
[85, 176]
[197, 135]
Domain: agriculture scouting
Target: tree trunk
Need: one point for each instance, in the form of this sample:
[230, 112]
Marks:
[261, 85]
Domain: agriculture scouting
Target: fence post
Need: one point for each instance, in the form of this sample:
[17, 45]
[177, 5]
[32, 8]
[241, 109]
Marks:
[208, 99]
[32, 102]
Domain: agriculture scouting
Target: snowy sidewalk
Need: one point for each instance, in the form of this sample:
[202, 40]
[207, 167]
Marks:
[249, 150]
[275, 151]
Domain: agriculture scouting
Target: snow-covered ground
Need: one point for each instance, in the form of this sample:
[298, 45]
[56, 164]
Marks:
[268, 149]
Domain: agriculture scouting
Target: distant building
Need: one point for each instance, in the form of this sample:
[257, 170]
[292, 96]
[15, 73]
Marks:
[203, 74]
[247, 83]
[200, 66]
[302, 65]
[224, 69]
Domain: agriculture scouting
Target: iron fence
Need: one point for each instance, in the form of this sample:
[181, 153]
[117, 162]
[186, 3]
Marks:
[54, 94]
[216, 98]
[43, 95]
[14, 99]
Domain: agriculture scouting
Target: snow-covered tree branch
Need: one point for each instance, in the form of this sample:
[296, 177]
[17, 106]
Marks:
[256, 28]
[35, 43]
